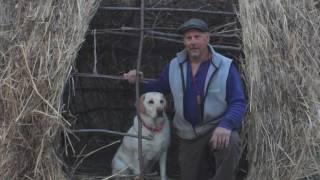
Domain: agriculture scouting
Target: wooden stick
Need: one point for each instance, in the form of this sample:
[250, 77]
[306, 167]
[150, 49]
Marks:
[142, 8]
[115, 77]
[222, 47]
[152, 32]
[95, 53]
[108, 132]
[150, 175]
[221, 13]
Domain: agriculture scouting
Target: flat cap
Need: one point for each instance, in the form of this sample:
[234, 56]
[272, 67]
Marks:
[193, 23]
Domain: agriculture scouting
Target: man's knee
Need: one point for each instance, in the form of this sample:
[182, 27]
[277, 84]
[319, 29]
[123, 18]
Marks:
[232, 151]
[234, 147]
[234, 140]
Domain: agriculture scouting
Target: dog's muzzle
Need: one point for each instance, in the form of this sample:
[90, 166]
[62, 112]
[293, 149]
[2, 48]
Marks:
[159, 112]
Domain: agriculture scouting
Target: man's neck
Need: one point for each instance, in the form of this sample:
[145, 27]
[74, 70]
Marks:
[195, 63]
[200, 59]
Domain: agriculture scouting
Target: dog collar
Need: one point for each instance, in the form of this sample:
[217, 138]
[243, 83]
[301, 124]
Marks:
[156, 129]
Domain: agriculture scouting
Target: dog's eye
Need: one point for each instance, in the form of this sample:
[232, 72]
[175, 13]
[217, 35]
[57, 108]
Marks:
[150, 102]
[161, 101]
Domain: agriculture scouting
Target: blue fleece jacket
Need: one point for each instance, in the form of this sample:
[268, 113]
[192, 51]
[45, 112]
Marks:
[235, 97]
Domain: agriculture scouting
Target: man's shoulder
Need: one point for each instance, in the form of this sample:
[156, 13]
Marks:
[174, 60]
[220, 60]
[222, 57]
[219, 57]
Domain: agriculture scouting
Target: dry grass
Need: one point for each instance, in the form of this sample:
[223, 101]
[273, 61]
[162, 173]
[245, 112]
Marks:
[281, 43]
[39, 41]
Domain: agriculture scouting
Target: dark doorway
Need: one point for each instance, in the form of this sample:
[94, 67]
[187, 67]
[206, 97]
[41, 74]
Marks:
[111, 48]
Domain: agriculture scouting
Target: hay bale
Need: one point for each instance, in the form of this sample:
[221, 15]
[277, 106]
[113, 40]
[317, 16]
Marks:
[39, 41]
[281, 43]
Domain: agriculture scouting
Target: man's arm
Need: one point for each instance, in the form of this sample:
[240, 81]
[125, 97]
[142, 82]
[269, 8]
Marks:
[235, 111]
[161, 84]
[236, 101]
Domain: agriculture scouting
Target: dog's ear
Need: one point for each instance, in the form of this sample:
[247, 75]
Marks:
[142, 109]
[165, 102]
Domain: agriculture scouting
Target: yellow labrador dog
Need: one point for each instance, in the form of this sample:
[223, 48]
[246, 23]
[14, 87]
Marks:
[155, 125]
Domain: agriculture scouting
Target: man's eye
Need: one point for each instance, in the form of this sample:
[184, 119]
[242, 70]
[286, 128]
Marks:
[150, 102]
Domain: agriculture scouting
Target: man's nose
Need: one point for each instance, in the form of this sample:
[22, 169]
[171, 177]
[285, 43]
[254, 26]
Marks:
[193, 41]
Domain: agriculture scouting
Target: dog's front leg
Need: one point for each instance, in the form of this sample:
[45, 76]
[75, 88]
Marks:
[162, 165]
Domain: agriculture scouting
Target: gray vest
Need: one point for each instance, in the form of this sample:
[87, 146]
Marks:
[215, 93]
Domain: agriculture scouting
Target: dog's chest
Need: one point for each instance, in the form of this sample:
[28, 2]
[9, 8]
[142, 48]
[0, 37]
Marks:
[158, 144]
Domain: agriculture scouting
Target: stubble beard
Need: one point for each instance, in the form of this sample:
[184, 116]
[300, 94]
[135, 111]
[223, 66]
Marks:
[194, 53]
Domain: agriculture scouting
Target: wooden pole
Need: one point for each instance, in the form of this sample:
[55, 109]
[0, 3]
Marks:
[108, 132]
[141, 176]
[108, 76]
[221, 13]
[222, 47]
[95, 53]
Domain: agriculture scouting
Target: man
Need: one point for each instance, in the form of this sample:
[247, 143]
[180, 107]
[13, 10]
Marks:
[209, 105]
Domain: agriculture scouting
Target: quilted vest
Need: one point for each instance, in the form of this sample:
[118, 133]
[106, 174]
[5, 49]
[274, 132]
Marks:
[214, 93]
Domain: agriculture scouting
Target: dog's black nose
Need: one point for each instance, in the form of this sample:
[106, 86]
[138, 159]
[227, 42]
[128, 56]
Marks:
[159, 112]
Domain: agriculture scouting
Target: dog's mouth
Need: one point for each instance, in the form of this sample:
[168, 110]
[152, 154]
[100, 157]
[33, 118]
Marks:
[160, 113]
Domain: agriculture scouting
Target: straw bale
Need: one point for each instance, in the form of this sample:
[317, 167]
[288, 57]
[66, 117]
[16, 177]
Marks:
[281, 44]
[39, 41]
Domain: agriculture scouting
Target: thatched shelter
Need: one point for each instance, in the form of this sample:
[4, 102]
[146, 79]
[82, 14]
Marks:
[46, 47]
[39, 41]
[281, 42]
[111, 48]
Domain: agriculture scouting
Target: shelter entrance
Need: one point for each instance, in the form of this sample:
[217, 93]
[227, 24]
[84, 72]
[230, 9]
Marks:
[96, 97]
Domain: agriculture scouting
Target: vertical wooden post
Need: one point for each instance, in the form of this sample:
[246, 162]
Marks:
[141, 176]
[95, 53]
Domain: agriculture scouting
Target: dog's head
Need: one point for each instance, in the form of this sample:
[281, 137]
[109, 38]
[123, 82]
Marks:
[153, 104]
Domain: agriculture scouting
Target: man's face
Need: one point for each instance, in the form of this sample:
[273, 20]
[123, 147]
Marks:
[196, 43]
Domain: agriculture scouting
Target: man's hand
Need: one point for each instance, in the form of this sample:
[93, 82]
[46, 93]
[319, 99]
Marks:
[131, 76]
[220, 138]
